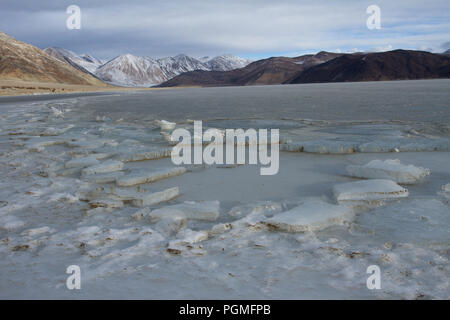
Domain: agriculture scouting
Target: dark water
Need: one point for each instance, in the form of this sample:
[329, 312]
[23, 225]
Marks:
[418, 101]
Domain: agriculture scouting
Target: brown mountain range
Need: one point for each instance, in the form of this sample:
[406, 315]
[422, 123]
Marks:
[325, 67]
[20, 61]
[391, 65]
[274, 70]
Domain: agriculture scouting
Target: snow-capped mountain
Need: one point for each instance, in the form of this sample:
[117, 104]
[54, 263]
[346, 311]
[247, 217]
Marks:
[84, 61]
[226, 62]
[130, 70]
[173, 66]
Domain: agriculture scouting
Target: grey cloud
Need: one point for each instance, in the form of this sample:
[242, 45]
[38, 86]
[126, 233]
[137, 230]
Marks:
[208, 27]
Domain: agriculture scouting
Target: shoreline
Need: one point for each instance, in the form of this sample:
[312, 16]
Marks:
[19, 88]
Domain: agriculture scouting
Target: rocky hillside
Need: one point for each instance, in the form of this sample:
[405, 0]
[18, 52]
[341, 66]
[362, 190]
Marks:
[24, 62]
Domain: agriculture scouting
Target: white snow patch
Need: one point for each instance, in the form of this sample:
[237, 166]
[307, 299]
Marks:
[368, 190]
[104, 167]
[148, 199]
[312, 215]
[191, 210]
[389, 169]
[141, 177]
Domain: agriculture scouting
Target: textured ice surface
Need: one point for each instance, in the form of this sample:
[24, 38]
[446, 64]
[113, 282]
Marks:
[310, 216]
[205, 210]
[103, 177]
[141, 177]
[149, 199]
[82, 162]
[368, 190]
[47, 221]
[166, 125]
[129, 154]
[446, 187]
[104, 167]
[389, 169]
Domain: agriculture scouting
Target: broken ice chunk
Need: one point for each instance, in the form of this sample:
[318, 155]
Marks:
[188, 236]
[10, 222]
[166, 125]
[91, 144]
[82, 162]
[203, 210]
[141, 177]
[103, 177]
[170, 225]
[221, 228]
[368, 190]
[141, 214]
[141, 155]
[312, 215]
[104, 167]
[106, 203]
[148, 199]
[36, 231]
[389, 169]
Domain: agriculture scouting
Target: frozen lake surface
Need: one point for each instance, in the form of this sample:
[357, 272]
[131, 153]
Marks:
[87, 180]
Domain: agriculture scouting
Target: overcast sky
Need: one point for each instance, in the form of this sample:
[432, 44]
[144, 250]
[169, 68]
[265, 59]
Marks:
[248, 28]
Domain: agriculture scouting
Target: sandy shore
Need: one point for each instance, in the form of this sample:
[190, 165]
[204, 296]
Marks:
[17, 87]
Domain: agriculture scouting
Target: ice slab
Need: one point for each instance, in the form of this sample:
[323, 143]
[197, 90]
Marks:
[10, 222]
[141, 214]
[104, 167]
[191, 210]
[170, 226]
[82, 162]
[106, 203]
[103, 177]
[37, 231]
[310, 216]
[221, 228]
[91, 144]
[188, 236]
[389, 169]
[141, 177]
[368, 190]
[148, 199]
[141, 155]
[165, 125]
[40, 145]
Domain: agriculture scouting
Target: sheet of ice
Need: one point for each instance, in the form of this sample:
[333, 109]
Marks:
[310, 216]
[91, 143]
[166, 125]
[368, 190]
[106, 203]
[141, 177]
[103, 177]
[141, 214]
[170, 226]
[389, 169]
[119, 255]
[191, 210]
[104, 167]
[82, 162]
[136, 154]
[152, 198]
[446, 187]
